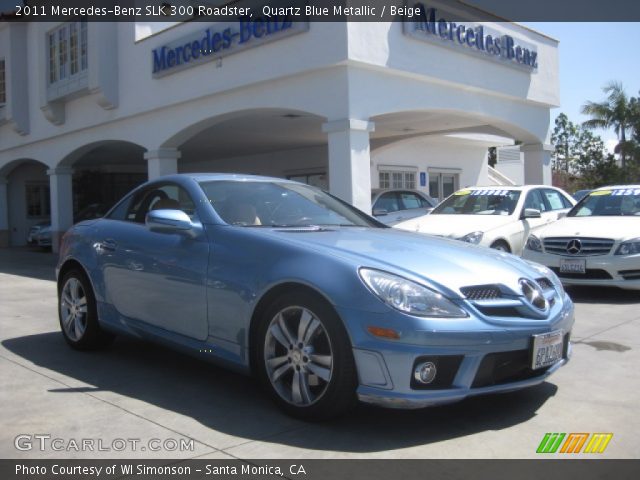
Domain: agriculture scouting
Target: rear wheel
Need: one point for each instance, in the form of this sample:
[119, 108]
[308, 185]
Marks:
[78, 313]
[304, 358]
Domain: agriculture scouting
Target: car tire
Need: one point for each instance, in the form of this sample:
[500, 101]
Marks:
[78, 313]
[303, 357]
[501, 246]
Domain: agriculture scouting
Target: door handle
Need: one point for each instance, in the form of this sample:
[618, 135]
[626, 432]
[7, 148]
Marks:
[106, 246]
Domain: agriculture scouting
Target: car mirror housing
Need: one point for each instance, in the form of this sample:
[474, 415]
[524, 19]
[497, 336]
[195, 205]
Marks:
[378, 212]
[531, 213]
[168, 221]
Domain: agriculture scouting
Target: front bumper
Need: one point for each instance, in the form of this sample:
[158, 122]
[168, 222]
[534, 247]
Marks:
[442, 397]
[490, 358]
[607, 268]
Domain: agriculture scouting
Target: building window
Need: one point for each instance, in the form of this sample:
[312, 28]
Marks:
[442, 184]
[67, 47]
[397, 179]
[3, 84]
[38, 205]
[318, 180]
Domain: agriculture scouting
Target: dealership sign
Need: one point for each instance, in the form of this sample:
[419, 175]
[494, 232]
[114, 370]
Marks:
[433, 25]
[219, 40]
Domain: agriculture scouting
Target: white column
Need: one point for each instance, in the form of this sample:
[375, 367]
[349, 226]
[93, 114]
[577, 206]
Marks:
[537, 163]
[4, 213]
[350, 161]
[61, 189]
[163, 161]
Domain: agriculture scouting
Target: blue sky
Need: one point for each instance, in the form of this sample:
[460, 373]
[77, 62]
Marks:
[591, 54]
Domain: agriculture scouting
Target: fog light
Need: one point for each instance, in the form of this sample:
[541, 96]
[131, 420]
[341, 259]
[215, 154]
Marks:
[425, 373]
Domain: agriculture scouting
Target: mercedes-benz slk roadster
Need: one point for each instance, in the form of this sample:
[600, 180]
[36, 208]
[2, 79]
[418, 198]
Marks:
[321, 302]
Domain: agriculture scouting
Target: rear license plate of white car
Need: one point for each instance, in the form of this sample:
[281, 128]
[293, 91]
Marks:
[573, 265]
[547, 349]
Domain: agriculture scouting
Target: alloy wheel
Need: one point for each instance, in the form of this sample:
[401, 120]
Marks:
[73, 309]
[298, 356]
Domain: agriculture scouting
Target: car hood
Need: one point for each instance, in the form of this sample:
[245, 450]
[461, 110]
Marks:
[454, 226]
[446, 264]
[617, 228]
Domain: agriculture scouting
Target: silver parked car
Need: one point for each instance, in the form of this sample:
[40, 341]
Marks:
[391, 206]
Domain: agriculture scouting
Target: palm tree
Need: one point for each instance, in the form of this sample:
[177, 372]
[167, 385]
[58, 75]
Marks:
[616, 111]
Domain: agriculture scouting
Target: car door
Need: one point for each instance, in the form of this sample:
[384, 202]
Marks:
[557, 203]
[413, 205]
[533, 200]
[158, 278]
[390, 202]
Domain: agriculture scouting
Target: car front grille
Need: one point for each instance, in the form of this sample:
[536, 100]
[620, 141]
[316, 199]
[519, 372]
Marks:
[544, 283]
[590, 274]
[499, 301]
[630, 274]
[505, 367]
[513, 366]
[481, 292]
[578, 246]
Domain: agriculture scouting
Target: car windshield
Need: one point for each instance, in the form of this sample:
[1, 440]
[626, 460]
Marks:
[479, 202]
[280, 204]
[607, 203]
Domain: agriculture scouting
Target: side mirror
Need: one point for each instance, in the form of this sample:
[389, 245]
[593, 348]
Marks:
[379, 212]
[168, 221]
[562, 215]
[531, 213]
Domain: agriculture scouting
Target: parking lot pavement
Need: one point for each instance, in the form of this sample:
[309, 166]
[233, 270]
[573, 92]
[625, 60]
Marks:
[154, 398]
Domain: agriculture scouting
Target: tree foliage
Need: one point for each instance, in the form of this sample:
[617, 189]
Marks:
[621, 113]
[581, 155]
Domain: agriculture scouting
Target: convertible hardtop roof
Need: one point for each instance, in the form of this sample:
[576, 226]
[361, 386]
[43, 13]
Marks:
[237, 177]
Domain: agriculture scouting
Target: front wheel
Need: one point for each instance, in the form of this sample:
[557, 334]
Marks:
[501, 246]
[304, 358]
[78, 313]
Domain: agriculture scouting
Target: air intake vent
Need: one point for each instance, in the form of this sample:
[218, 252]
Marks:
[482, 292]
[544, 283]
[630, 274]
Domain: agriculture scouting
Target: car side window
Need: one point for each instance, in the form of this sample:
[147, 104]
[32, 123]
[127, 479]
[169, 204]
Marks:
[566, 202]
[411, 200]
[389, 202]
[156, 197]
[555, 199]
[120, 211]
[534, 200]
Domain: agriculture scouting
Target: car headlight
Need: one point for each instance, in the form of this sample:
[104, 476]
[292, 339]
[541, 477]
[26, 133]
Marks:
[407, 296]
[473, 237]
[534, 244]
[630, 247]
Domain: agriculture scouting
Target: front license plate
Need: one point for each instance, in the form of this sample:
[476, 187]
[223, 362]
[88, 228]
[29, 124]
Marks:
[547, 349]
[573, 265]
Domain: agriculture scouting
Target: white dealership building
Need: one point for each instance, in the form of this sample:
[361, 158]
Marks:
[87, 107]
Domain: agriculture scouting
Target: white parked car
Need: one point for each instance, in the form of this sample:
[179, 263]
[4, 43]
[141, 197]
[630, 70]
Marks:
[391, 206]
[598, 243]
[496, 217]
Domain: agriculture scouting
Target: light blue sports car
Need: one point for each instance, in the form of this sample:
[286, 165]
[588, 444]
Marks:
[321, 302]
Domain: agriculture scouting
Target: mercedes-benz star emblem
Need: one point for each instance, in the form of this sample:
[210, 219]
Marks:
[574, 246]
[533, 295]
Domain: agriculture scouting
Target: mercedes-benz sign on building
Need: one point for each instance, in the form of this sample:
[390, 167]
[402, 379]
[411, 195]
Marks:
[89, 109]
